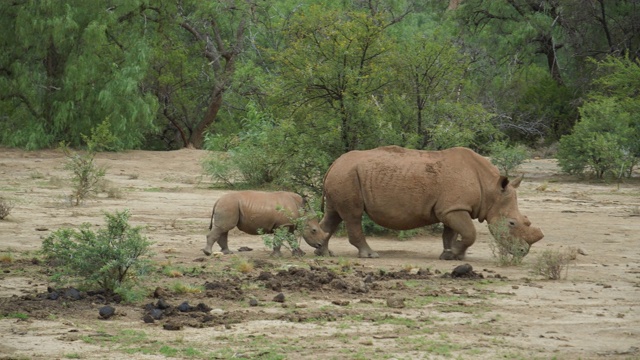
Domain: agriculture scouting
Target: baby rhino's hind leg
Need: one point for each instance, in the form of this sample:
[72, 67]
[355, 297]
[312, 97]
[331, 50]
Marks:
[217, 235]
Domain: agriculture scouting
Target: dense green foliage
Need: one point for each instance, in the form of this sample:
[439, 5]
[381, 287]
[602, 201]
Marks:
[112, 259]
[288, 86]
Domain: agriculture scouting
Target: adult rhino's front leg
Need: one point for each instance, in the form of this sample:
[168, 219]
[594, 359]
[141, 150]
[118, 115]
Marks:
[457, 222]
[357, 239]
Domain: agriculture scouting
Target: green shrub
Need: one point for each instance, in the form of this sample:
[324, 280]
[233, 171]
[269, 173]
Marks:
[603, 142]
[506, 249]
[115, 257]
[551, 264]
[507, 157]
[86, 175]
[283, 237]
[6, 206]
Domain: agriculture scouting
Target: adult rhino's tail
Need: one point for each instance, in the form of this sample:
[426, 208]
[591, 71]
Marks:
[213, 211]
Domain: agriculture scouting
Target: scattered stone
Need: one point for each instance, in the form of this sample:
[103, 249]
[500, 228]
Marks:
[53, 295]
[245, 248]
[395, 302]
[160, 293]
[184, 307]
[72, 294]
[300, 305]
[172, 326]
[368, 279]
[216, 312]
[162, 305]
[156, 314]
[253, 302]
[581, 251]
[461, 270]
[202, 307]
[148, 319]
[340, 302]
[515, 287]
[279, 298]
[265, 275]
[106, 312]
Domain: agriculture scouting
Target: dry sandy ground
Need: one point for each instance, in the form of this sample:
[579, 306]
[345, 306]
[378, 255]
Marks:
[592, 314]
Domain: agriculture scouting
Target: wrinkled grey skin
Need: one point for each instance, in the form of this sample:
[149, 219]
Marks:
[405, 189]
[252, 211]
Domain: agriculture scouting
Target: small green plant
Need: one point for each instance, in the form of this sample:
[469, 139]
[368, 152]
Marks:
[283, 236]
[242, 265]
[507, 157]
[21, 316]
[86, 175]
[6, 206]
[551, 264]
[183, 288]
[6, 258]
[115, 256]
[507, 250]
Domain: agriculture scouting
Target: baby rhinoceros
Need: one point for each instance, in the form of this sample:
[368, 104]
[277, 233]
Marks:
[259, 211]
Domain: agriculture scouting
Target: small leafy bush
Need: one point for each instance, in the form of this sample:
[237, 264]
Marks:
[283, 237]
[86, 175]
[506, 249]
[507, 157]
[6, 206]
[114, 257]
[603, 142]
[551, 264]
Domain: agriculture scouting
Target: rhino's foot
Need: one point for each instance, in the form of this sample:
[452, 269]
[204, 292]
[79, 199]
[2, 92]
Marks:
[206, 252]
[226, 251]
[276, 254]
[368, 254]
[449, 255]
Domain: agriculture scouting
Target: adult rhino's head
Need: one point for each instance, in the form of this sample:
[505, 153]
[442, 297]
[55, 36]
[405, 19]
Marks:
[506, 223]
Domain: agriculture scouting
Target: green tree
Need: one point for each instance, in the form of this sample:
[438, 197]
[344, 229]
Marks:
[67, 67]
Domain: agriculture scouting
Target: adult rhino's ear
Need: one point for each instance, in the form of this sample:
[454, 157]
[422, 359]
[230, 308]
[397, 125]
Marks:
[503, 182]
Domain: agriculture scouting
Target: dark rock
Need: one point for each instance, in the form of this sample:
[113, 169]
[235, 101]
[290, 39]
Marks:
[461, 271]
[156, 314]
[368, 279]
[279, 298]
[253, 302]
[245, 248]
[395, 302]
[107, 312]
[147, 308]
[172, 326]
[265, 275]
[202, 307]
[184, 307]
[72, 294]
[148, 319]
[161, 304]
[53, 295]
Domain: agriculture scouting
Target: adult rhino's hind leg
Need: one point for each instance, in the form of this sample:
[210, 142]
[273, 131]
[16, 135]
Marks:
[457, 222]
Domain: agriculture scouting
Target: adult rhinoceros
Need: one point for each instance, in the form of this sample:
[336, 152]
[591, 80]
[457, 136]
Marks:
[252, 211]
[404, 189]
